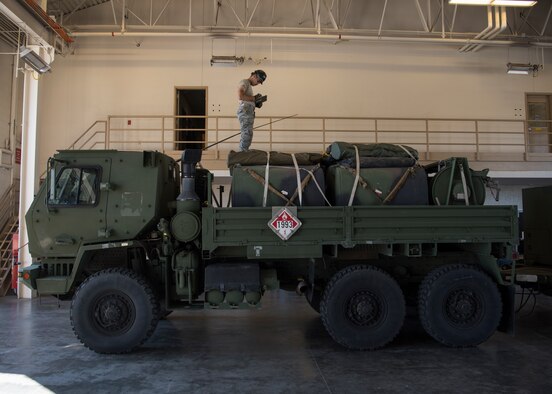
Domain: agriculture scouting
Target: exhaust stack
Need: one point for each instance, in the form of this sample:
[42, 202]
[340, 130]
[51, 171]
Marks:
[189, 160]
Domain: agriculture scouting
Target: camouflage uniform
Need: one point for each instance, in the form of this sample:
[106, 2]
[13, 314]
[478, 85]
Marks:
[246, 116]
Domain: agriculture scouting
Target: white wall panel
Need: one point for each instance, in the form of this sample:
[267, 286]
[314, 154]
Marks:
[111, 76]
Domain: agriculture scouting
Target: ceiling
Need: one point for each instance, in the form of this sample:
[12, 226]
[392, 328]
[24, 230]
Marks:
[394, 20]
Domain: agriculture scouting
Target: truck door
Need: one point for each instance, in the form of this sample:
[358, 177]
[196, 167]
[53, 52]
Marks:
[77, 204]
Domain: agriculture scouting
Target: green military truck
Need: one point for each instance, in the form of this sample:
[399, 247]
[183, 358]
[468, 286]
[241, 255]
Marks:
[130, 236]
[533, 271]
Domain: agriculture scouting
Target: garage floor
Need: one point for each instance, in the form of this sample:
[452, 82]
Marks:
[281, 348]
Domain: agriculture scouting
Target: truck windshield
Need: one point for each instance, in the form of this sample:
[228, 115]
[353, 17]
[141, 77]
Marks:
[75, 186]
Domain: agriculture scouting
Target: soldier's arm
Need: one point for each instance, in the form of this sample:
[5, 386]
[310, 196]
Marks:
[244, 97]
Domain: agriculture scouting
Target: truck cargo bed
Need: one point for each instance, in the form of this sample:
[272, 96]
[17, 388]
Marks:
[349, 226]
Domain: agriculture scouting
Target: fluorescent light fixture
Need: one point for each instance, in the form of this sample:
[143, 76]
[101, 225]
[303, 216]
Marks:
[514, 3]
[471, 2]
[498, 3]
[226, 61]
[33, 60]
[522, 68]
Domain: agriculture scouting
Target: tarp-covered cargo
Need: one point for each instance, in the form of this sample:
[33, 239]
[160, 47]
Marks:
[248, 186]
[259, 157]
[343, 150]
[408, 186]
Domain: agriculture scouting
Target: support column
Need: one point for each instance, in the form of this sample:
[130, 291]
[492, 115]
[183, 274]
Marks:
[28, 182]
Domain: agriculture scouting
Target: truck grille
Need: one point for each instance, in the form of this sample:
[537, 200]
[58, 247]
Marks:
[57, 269]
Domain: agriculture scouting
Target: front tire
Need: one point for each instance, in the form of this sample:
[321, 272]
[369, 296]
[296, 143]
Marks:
[459, 305]
[362, 308]
[114, 311]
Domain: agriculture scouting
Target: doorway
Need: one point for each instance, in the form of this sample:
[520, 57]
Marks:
[538, 123]
[190, 101]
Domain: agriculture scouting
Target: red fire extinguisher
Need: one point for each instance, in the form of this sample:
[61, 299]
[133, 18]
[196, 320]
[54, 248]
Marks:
[15, 261]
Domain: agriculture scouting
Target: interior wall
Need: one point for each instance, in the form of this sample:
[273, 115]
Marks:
[116, 76]
[6, 73]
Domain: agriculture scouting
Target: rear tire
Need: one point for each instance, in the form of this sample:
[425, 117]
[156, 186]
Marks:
[362, 308]
[459, 305]
[114, 311]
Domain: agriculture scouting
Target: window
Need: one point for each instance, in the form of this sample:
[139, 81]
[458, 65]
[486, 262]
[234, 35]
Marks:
[75, 186]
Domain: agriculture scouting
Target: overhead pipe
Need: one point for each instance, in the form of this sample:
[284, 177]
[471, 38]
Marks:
[319, 37]
[489, 27]
[503, 26]
[60, 31]
[492, 33]
[496, 27]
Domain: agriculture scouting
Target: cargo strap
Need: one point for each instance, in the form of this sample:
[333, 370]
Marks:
[310, 176]
[355, 183]
[408, 152]
[267, 172]
[267, 186]
[363, 183]
[409, 171]
[398, 186]
[299, 184]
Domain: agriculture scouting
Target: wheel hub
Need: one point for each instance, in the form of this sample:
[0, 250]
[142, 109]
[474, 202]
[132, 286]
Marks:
[114, 313]
[364, 308]
[463, 307]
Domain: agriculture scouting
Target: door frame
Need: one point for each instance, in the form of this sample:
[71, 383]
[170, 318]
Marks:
[175, 110]
[548, 97]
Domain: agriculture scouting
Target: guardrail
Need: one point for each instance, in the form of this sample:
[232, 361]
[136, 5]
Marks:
[434, 138]
[9, 205]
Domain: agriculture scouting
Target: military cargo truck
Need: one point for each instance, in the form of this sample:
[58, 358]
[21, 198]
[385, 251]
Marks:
[533, 271]
[130, 236]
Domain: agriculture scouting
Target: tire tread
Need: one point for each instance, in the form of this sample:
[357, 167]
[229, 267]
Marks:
[140, 280]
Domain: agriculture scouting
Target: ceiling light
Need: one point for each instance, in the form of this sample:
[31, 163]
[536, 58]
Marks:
[33, 60]
[514, 3]
[522, 68]
[471, 2]
[226, 61]
[498, 3]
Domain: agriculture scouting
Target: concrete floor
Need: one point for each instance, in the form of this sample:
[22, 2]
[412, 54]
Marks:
[282, 348]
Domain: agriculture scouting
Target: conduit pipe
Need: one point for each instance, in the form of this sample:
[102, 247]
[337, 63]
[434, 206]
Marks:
[319, 37]
[503, 26]
[44, 17]
[488, 35]
[485, 31]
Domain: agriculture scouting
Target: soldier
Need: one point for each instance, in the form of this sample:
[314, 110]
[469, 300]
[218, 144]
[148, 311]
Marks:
[246, 108]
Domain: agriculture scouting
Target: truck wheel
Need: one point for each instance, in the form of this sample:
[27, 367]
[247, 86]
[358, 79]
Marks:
[362, 307]
[114, 311]
[459, 305]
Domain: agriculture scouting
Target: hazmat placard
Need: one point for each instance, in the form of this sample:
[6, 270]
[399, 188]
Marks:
[284, 223]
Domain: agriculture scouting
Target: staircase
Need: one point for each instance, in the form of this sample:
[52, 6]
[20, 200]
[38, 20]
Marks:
[9, 224]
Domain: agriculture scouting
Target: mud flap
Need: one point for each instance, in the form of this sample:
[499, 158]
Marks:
[507, 323]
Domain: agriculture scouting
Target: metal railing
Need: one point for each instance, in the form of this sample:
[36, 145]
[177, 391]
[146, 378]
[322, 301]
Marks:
[434, 138]
[9, 207]
[92, 138]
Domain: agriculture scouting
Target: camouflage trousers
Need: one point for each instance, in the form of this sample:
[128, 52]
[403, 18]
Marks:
[246, 116]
